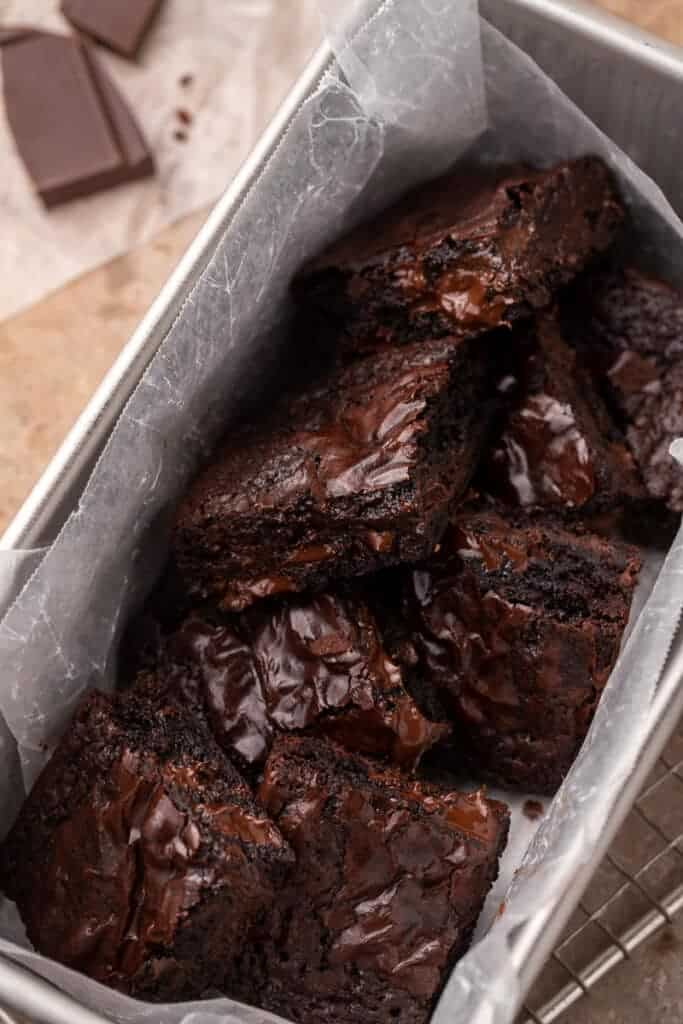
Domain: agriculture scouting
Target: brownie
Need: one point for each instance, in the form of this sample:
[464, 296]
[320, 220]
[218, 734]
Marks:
[140, 857]
[312, 663]
[513, 627]
[390, 878]
[629, 328]
[471, 251]
[557, 446]
[357, 472]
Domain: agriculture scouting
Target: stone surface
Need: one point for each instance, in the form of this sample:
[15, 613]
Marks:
[53, 356]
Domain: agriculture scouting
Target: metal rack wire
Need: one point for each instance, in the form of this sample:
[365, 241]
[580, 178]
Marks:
[636, 891]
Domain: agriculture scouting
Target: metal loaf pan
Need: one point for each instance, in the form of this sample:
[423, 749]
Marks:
[631, 85]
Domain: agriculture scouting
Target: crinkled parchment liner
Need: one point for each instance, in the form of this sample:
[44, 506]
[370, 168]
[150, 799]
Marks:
[411, 90]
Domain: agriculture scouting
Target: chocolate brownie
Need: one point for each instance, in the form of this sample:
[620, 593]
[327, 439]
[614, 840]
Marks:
[141, 857]
[356, 473]
[469, 252]
[390, 878]
[514, 627]
[629, 327]
[558, 446]
[314, 663]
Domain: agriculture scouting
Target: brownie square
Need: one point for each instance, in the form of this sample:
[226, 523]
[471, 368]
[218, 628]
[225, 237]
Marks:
[471, 251]
[356, 473]
[315, 663]
[557, 446]
[629, 328]
[513, 628]
[390, 879]
[140, 857]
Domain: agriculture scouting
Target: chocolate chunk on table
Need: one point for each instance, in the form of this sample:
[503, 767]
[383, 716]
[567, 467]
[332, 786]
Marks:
[73, 130]
[357, 472]
[514, 627]
[557, 445]
[466, 253]
[119, 24]
[629, 328]
[140, 856]
[13, 33]
[390, 878]
[315, 663]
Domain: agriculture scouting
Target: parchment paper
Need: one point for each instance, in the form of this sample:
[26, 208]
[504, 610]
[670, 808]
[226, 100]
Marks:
[335, 164]
[243, 56]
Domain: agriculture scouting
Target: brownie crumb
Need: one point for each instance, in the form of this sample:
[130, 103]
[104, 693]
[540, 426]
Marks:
[180, 136]
[186, 80]
[184, 116]
[667, 941]
[533, 809]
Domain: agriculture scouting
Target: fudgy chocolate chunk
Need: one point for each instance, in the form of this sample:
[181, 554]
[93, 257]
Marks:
[514, 626]
[466, 253]
[313, 664]
[141, 857]
[356, 473]
[558, 447]
[390, 878]
[72, 128]
[629, 328]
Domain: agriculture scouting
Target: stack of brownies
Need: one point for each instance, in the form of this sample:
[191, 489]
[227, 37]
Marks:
[408, 567]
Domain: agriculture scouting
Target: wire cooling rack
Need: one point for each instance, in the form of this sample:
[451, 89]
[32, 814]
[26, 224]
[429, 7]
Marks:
[637, 890]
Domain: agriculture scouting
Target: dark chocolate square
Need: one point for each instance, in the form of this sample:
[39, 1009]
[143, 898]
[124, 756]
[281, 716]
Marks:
[119, 24]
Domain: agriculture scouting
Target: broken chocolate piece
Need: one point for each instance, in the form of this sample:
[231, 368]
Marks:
[121, 25]
[72, 129]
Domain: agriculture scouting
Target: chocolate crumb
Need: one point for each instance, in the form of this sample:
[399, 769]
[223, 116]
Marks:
[667, 940]
[533, 809]
[180, 136]
[186, 80]
[184, 116]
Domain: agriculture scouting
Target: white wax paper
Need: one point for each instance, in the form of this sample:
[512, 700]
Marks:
[337, 161]
[242, 54]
